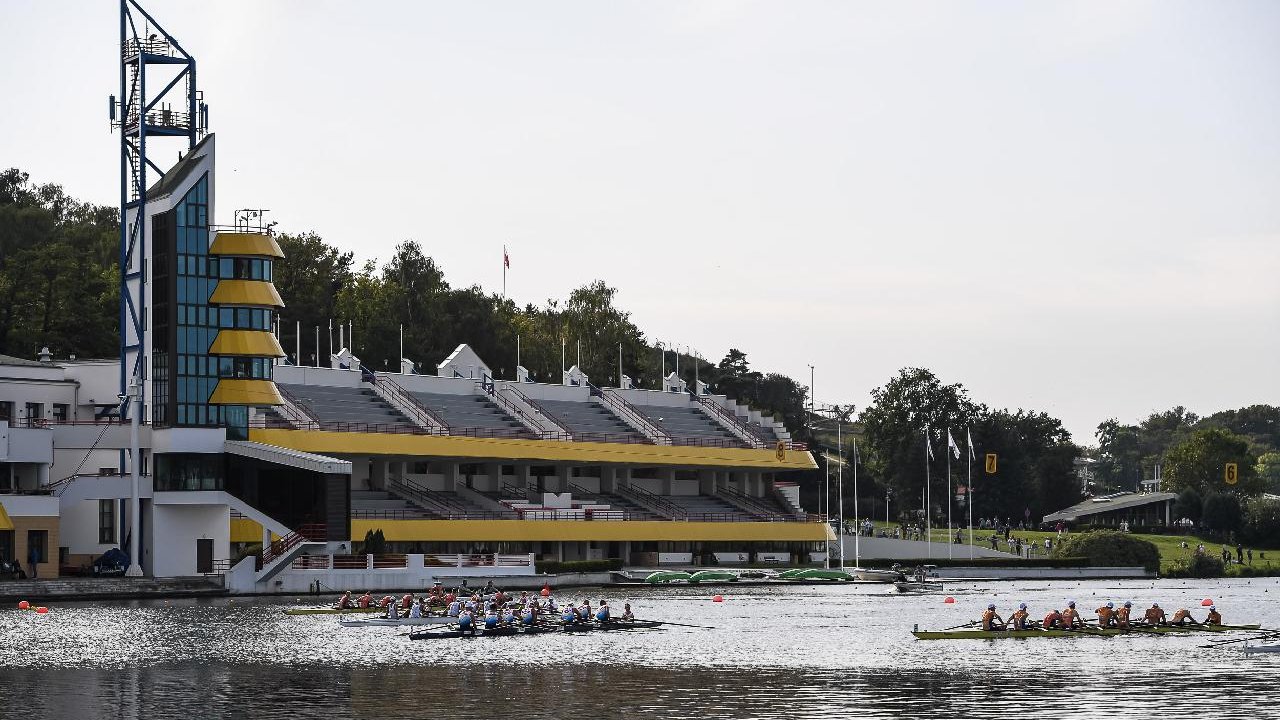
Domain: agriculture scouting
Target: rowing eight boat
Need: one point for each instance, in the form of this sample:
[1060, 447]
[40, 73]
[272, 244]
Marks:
[508, 630]
[1085, 631]
[388, 622]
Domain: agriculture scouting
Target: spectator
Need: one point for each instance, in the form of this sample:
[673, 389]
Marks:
[33, 557]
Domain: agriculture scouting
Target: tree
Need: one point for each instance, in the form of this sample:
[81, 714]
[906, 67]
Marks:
[1221, 513]
[310, 277]
[1268, 471]
[1199, 462]
[1261, 523]
[1188, 505]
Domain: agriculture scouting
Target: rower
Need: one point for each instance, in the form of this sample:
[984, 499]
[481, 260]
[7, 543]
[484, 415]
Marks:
[990, 617]
[1106, 614]
[407, 601]
[1154, 615]
[1071, 617]
[455, 608]
[491, 616]
[1182, 617]
[1122, 615]
[365, 600]
[1019, 618]
[345, 602]
[570, 616]
[1214, 617]
[602, 614]
[1052, 620]
[416, 611]
[464, 621]
[626, 612]
[392, 614]
[584, 611]
[489, 589]
[528, 617]
[387, 600]
[508, 616]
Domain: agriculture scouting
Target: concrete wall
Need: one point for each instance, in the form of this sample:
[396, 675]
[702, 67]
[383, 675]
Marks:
[303, 375]
[80, 528]
[174, 531]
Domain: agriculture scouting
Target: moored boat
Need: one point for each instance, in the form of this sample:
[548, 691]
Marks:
[1262, 648]
[817, 574]
[667, 576]
[876, 576]
[713, 576]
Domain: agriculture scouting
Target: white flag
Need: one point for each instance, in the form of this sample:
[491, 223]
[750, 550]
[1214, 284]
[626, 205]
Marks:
[970, 439]
[951, 443]
[927, 446]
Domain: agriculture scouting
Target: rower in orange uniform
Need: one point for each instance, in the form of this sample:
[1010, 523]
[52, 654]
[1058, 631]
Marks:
[1214, 617]
[1182, 617]
[1106, 614]
[1154, 615]
[1071, 617]
[990, 617]
[1019, 618]
[1122, 615]
[344, 602]
[1052, 620]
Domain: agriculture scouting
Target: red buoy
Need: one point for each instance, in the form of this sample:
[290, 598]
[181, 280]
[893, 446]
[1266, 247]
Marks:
[950, 600]
[1206, 602]
[546, 591]
[24, 605]
[42, 610]
[718, 598]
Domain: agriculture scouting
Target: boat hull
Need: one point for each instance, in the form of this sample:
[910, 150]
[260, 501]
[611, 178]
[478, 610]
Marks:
[388, 622]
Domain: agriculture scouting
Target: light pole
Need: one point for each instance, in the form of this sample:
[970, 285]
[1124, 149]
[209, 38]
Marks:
[134, 398]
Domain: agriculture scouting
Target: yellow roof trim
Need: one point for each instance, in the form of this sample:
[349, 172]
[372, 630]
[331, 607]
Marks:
[599, 530]
[5, 522]
[357, 443]
[245, 392]
[246, 343]
[246, 292]
[245, 244]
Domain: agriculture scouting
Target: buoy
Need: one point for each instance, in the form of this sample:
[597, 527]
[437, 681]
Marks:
[718, 598]
[1206, 602]
[950, 600]
[546, 591]
[42, 610]
[24, 605]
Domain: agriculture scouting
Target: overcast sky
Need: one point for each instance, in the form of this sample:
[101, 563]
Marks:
[1071, 207]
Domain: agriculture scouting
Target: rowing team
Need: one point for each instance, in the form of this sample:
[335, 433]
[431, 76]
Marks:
[1108, 616]
[494, 616]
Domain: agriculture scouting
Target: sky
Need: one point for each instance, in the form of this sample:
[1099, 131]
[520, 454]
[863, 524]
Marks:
[1070, 207]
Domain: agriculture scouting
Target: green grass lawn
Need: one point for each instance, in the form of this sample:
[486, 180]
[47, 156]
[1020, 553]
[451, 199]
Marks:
[1170, 546]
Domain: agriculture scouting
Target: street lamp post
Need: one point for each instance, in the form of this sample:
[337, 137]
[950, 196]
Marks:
[134, 398]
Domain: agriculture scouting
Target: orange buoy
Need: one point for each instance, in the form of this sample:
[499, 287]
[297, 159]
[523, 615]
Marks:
[950, 600]
[24, 605]
[42, 610]
[718, 598]
[546, 591]
[1206, 602]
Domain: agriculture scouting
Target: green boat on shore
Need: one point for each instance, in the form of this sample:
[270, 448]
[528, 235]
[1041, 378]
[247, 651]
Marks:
[663, 577]
[713, 576]
[815, 574]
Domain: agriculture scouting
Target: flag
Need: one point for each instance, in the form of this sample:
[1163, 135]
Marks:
[506, 261]
[951, 444]
[969, 437]
[927, 446]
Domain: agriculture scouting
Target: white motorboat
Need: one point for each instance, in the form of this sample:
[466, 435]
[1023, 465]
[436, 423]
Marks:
[875, 576]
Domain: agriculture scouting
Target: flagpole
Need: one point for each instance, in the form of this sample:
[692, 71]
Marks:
[826, 501]
[969, 494]
[504, 271]
[928, 521]
[857, 519]
[840, 481]
[950, 544]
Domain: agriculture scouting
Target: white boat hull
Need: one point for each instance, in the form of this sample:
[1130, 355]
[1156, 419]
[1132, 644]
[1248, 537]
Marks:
[1269, 648]
[875, 576]
[388, 622]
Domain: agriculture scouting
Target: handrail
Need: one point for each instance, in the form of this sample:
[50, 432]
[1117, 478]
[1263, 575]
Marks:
[732, 422]
[627, 411]
[280, 547]
[420, 413]
[446, 508]
[491, 389]
[297, 414]
[746, 502]
[654, 502]
[541, 410]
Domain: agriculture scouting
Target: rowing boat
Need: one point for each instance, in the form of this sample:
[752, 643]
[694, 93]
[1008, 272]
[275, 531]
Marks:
[608, 625]
[388, 622]
[481, 632]
[667, 576]
[331, 611]
[713, 576]
[912, 586]
[508, 630]
[1060, 632]
[815, 574]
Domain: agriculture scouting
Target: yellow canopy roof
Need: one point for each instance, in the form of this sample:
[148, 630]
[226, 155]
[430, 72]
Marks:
[245, 244]
[246, 343]
[258, 293]
[5, 522]
[245, 392]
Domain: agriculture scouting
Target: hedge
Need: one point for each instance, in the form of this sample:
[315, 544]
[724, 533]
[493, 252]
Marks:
[993, 562]
[1111, 548]
[554, 567]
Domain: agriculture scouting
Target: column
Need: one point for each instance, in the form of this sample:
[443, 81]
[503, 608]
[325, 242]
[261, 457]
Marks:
[450, 472]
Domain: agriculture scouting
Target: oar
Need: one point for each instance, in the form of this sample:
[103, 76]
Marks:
[1268, 636]
[957, 627]
[700, 627]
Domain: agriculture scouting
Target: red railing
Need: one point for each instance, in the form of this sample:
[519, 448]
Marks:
[305, 533]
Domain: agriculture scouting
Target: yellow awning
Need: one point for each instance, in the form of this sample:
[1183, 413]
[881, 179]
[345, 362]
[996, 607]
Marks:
[246, 343]
[245, 244]
[246, 392]
[246, 292]
[5, 522]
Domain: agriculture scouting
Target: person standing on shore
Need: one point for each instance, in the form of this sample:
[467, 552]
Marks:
[33, 559]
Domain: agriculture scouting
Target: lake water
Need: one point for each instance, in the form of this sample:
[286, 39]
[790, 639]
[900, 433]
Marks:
[804, 652]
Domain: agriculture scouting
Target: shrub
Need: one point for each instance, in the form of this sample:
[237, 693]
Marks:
[1110, 548]
[375, 543]
[1051, 562]
[1198, 566]
[554, 567]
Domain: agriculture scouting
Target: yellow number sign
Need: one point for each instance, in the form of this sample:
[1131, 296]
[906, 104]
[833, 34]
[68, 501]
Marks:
[991, 463]
[1229, 474]
[781, 452]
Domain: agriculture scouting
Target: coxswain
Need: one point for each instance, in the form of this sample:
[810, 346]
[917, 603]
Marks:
[1019, 619]
[489, 589]
[1071, 617]
[602, 614]
[991, 620]
[1052, 620]
[1106, 614]
[1214, 617]
[365, 600]
[345, 602]
[455, 608]
[1182, 617]
[626, 612]
[1154, 615]
[1122, 615]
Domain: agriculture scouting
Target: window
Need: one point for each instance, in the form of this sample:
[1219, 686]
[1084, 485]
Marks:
[107, 522]
[6, 410]
[38, 541]
[35, 412]
[189, 471]
[60, 412]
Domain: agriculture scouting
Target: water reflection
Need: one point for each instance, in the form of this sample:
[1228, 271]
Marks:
[806, 652]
